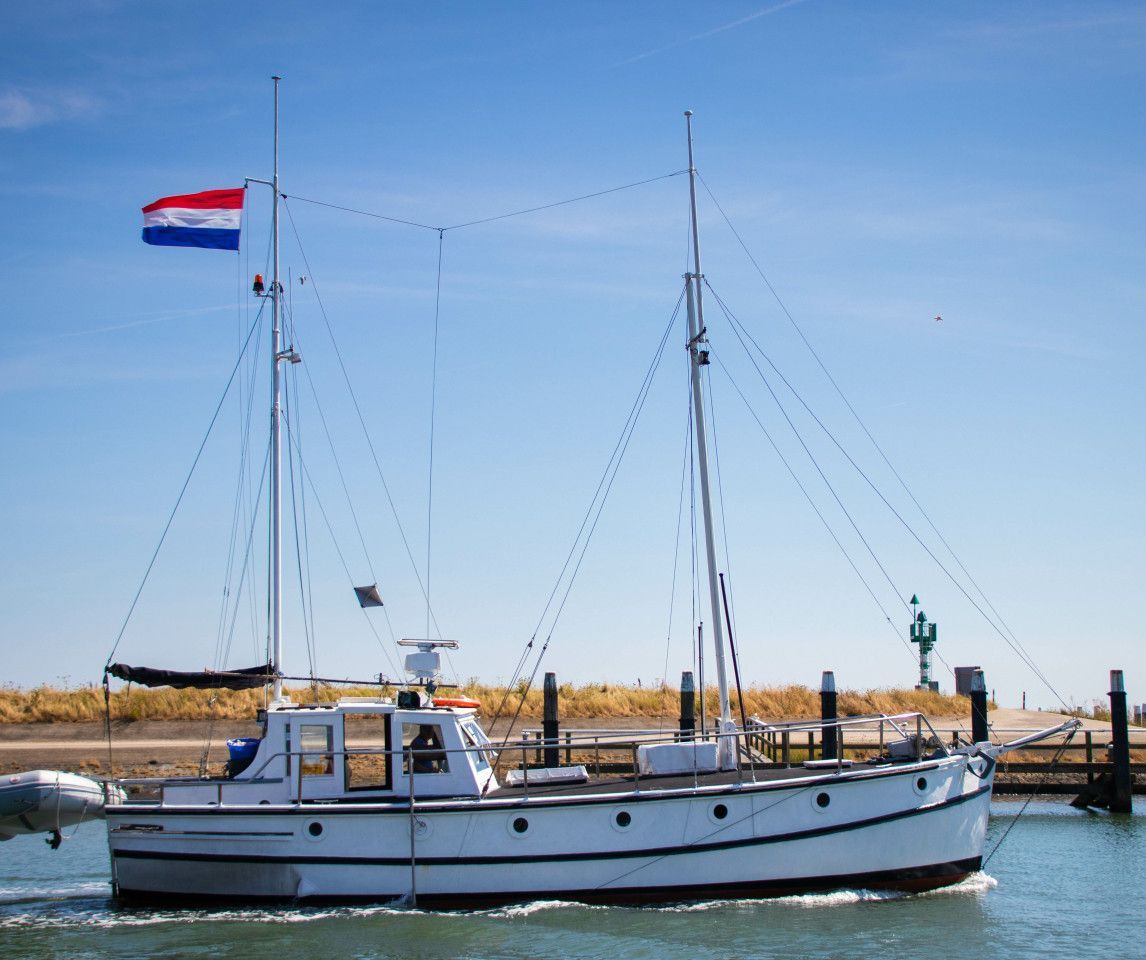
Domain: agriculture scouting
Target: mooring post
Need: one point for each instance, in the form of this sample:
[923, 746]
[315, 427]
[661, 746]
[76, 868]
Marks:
[1120, 798]
[687, 706]
[829, 735]
[979, 708]
[550, 724]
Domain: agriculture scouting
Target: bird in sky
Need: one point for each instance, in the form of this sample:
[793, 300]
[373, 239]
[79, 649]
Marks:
[938, 319]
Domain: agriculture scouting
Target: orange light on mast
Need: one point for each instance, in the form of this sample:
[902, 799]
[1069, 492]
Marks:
[258, 284]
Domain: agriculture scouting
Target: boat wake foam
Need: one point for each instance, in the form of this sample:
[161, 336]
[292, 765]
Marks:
[976, 883]
[538, 906]
[79, 907]
[98, 915]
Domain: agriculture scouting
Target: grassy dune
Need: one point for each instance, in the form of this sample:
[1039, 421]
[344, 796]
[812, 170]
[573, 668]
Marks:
[49, 705]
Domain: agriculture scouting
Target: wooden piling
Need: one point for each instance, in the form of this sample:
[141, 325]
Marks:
[1121, 800]
[687, 706]
[550, 724]
[829, 735]
[979, 731]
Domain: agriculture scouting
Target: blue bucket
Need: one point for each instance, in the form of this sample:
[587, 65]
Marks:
[243, 748]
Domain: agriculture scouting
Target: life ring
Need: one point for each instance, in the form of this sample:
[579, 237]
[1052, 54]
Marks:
[456, 702]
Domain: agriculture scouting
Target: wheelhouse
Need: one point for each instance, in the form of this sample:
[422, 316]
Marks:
[354, 750]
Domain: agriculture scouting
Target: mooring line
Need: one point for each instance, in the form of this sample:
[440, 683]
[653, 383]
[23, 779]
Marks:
[1038, 787]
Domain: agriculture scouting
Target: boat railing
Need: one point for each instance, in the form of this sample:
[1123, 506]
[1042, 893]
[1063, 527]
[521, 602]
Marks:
[763, 741]
[761, 744]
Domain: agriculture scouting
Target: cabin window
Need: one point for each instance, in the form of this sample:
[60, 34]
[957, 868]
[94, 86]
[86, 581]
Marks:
[316, 743]
[474, 739]
[426, 743]
[367, 737]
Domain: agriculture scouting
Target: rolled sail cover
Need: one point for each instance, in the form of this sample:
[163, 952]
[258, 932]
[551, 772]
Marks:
[245, 679]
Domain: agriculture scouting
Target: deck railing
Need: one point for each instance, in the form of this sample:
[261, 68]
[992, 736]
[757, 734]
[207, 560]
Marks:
[755, 746]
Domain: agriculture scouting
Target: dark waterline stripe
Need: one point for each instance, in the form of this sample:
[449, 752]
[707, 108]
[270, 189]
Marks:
[911, 879]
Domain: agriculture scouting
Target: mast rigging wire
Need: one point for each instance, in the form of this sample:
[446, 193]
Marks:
[307, 602]
[1024, 656]
[812, 503]
[473, 223]
[1020, 652]
[305, 525]
[621, 443]
[361, 417]
[238, 512]
[433, 411]
[711, 406]
[600, 496]
[631, 428]
[225, 650]
[676, 558]
[183, 490]
[828, 484]
[338, 469]
[342, 559]
[742, 332]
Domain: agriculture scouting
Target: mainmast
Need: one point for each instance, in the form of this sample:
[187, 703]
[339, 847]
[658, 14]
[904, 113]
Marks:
[698, 358]
[277, 357]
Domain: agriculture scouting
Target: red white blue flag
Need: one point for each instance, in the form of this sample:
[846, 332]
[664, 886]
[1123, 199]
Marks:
[209, 219]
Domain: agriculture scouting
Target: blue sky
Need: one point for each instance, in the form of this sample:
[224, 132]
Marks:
[885, 163]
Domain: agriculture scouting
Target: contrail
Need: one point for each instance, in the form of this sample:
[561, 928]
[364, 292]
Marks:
[775, 8]
[170, 315]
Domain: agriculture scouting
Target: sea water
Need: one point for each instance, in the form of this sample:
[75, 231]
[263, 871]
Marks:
[1063, 883]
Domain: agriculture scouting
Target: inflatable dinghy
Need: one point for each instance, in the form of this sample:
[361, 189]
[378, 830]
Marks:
[46, 801]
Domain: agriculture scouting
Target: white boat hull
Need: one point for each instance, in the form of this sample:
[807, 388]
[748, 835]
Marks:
[914, 827]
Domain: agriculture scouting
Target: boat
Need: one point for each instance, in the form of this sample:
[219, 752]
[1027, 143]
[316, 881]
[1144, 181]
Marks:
[408, 799]
[46, 801]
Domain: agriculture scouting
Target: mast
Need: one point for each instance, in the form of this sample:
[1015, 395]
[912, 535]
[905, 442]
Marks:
[277, 357]
[699, 358]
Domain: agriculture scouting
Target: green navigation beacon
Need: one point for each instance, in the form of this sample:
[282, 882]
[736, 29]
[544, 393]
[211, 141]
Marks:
[925, 634]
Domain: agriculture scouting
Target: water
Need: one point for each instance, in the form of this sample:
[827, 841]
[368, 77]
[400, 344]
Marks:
[1063, 882]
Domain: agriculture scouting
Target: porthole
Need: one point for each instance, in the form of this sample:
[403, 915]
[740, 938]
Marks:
[314, 830]
[718, 812]
[518, 826]
[623, 820]
[920, 785]
[822, 800]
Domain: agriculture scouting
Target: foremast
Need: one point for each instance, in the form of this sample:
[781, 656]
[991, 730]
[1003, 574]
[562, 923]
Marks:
[278, 355]
[697, 335]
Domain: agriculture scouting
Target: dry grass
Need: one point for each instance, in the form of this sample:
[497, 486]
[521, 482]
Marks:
[48, 705]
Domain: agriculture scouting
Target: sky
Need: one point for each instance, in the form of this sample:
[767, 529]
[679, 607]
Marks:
[945, 201]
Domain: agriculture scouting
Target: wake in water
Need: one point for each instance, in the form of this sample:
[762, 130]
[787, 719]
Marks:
[87, 912]
[77, 907]
[975, 884]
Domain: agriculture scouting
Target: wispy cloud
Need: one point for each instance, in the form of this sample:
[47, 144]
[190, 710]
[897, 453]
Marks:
[148, 321]
[127, 323]
[1127, 21]
[774, 8]
[21, 108]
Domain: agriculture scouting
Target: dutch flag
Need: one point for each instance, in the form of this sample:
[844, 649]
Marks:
[208, 219]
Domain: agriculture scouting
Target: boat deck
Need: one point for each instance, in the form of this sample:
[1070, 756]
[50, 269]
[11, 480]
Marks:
[767, 773]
